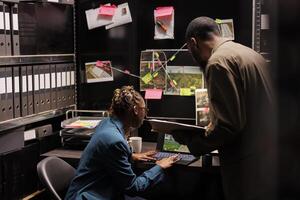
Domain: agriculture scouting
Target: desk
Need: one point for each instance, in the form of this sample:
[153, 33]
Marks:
[147, 146]
[199, 180]
[70, 154]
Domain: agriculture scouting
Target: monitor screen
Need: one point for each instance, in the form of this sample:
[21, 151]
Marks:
[171, 145]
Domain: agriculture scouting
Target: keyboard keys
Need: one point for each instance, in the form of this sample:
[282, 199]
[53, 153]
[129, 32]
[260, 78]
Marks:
[161, 155]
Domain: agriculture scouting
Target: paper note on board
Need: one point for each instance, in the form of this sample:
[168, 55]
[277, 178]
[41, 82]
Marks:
[164, 23]
[95, 20]
[122, 16]
[147, 78]
[163, 11]
[107, 10]
[153, 93]
[185, 92]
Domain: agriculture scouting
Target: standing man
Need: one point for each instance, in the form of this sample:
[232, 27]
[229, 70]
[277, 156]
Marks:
[241, 112]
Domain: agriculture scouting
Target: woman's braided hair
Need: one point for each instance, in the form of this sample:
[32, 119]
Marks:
[123, 101]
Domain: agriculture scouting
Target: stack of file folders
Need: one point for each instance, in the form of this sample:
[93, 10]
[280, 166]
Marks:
[77, 131]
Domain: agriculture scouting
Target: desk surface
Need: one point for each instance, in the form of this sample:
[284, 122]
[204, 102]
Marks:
[76, 154]
[147, 146]
[182, 182]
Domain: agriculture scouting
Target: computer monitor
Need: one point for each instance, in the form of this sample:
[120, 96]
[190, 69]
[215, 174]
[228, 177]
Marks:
[167, 143]
[171, 145]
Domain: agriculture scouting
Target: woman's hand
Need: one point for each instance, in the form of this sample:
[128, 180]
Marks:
[147, 156]
[167, 162]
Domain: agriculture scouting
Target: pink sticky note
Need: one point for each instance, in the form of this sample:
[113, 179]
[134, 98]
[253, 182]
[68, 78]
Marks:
[163, 11]
[126, 71]
[153, 93]
[107, 10]
[99, 63]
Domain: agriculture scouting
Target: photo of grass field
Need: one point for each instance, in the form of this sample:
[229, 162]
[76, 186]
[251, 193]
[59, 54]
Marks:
[189, 77]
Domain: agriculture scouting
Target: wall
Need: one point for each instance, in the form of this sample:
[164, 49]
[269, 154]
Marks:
[123, 45]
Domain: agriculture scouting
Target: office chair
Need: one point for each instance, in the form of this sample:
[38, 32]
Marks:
[56, 175]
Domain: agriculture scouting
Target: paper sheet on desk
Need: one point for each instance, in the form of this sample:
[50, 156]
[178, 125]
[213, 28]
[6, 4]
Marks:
[122, 16]
[95, 20]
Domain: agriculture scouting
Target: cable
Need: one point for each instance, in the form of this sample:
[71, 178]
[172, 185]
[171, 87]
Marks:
[155, 71]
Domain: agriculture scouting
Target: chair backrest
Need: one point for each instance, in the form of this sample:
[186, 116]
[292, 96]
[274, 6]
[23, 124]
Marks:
[56, 175]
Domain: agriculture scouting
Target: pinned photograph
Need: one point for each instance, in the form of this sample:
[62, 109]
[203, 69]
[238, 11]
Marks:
[226, 28]
[185, 80]
[201, 97]
[122, 16]
[99, 71]
[202, 117]
[202, 107]
[164, 23]
[99, 17]
[151, 79]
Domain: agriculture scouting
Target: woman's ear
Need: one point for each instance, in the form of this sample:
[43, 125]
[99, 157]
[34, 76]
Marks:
[135, 110]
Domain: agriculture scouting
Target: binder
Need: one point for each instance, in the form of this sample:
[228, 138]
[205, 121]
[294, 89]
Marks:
[7, 30]
[72, 83]
[15, 29]
[59, 68]
[16, 91]
[9, 111]
[30, 90]
[36, 89]
[2, 31]
[47, 91]
[64, 85]
[2, 94]
[68, 89]
[53, 87]
[24, 96]
[42, 88]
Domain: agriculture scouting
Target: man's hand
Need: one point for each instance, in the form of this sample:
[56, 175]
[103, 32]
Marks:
[147, 156]
[180, 137]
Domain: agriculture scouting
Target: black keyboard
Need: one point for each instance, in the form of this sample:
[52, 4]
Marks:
[185, 157]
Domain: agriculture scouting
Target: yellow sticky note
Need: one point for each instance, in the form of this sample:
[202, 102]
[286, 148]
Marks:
[147, 78]
[149, 65]
[155, 74]
[175, 83]
[193, 88]
[218, 21]
[172, 58]
[185, 92]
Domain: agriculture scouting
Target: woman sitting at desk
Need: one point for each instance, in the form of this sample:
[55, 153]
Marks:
[105, 171]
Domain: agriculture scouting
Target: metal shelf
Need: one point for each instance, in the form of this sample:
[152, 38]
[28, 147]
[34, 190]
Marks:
[22, 121]
[35, 59]
[70, 2]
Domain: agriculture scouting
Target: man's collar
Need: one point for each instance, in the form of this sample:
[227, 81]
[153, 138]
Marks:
[219, 43]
